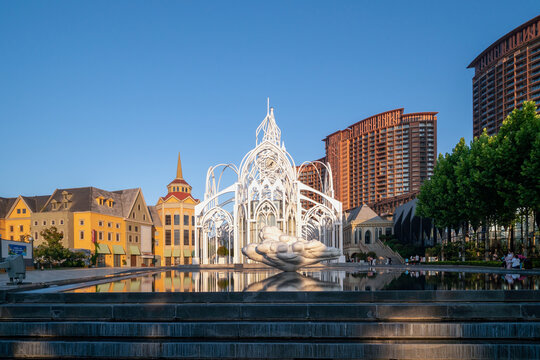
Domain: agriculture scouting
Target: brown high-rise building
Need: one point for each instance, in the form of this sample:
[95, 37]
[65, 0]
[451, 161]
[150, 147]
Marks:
[384, 156]
[506, 74]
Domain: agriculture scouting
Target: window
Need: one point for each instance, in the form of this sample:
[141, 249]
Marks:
[35, 223]
[167, 237]
[139, 207]
[117, 225]
[21, 237]
[100, 223]
[129, 238]
[129, 228]
[136, 238]
[81, 222]
[81, 235]
[193, 221]
[52, 222]
[18, 211]
[35, 236]
[136, 228]
[193, 237]
[117, 237]
[11, 228]
[109, 236]
[168, 220]
[24, 211]
[44, 222]
[109, 224]
[186, 237]
[144, 216]
[21, 228]
[11, 238]
[61, 221]
[186, 220]
[177, 219]
[176, 237]
[100, 235]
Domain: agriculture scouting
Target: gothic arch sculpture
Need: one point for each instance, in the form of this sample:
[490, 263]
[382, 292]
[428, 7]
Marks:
[266, 192]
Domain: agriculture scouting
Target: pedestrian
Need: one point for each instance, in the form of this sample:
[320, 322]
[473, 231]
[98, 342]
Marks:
[516, 263]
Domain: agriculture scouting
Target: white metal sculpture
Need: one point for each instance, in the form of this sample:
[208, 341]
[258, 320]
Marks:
[266, 192]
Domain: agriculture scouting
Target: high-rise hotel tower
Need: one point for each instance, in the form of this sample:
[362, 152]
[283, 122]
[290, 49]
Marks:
[506, 74]
[385, 156]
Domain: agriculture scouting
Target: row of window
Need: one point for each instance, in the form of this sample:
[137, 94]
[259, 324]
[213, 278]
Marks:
[19, 211]
[21, 228]
[53, 222]
[177, 237]
[178, 188]
[110, 236]
[176, 219]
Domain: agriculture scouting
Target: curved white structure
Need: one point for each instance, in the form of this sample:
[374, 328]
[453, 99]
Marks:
[266, 192]
[286, 252]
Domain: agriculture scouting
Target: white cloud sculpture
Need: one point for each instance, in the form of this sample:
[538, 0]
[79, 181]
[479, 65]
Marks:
[288, 253]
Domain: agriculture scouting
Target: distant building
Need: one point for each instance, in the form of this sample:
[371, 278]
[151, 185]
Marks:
[506, 74]
[174, 222]
[117, 225]
[412, 229]
[117, 222]
[384, 156]
[362, 233]
[15, 216]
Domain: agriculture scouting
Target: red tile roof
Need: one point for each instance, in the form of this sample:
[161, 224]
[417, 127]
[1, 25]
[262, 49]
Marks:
[179, 195]
[179, 181]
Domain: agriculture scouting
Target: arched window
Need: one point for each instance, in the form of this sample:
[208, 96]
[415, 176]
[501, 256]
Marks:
[357, 235]
[367, 238]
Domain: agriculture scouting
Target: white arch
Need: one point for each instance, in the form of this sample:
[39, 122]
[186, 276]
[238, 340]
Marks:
[267, 175]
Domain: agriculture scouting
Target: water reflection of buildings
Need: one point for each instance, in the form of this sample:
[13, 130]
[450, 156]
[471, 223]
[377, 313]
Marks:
[230, 281]
[368, 280]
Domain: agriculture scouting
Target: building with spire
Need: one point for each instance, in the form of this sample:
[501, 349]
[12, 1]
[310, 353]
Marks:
[174, 222]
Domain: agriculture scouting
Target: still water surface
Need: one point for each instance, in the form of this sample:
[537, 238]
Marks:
[324, 280]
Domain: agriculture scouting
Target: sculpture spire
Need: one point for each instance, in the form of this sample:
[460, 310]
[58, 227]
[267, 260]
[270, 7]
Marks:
[179, 168]
[268, 127]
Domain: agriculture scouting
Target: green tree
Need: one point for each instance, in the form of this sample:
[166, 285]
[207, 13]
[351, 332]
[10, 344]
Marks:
[516, 142]
[52, 252]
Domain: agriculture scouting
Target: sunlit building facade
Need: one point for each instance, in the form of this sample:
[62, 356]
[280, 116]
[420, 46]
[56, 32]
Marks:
[506, 74]
[384, 156]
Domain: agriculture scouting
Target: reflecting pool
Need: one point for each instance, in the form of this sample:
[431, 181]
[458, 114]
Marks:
[323, 280]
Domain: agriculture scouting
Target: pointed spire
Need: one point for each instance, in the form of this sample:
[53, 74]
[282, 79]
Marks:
[179, 168]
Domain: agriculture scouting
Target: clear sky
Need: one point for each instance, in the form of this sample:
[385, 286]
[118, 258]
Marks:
[106, 93]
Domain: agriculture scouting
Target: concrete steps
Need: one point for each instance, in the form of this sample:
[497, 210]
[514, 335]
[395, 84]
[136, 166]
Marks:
[348, 325]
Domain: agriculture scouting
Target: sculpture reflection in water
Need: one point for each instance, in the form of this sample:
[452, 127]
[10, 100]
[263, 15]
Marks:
[293, 281]
[286, 252]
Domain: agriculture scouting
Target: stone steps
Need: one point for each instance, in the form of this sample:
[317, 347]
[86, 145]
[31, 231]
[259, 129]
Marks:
[287, 325]
[267, 350]
[274, 312]
[259, 331]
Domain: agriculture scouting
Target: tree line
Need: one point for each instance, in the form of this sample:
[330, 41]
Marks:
[494, 182]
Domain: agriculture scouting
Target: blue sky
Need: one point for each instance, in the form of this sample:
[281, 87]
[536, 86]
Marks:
[106, 93]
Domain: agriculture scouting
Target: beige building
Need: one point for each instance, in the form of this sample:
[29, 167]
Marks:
[362, 231]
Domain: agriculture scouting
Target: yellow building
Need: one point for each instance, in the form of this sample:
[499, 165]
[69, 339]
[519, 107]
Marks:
[15, 216]
[174, 223]
[115, 224]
